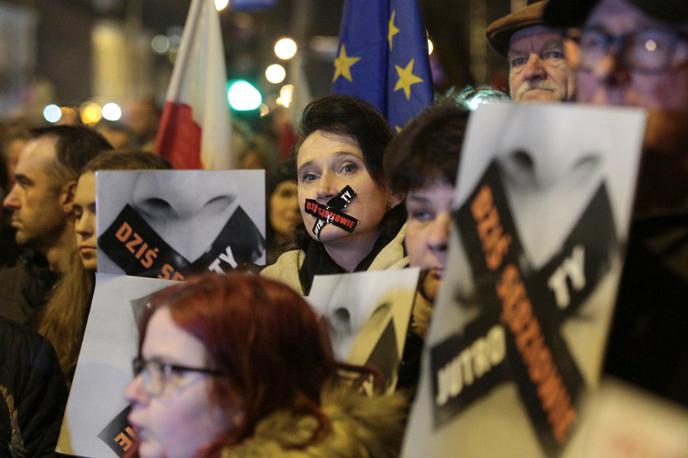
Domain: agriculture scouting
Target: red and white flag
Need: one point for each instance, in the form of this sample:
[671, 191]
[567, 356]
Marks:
[195, 129]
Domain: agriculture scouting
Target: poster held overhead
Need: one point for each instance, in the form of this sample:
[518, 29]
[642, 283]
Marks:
[173, 223]
[541, 217]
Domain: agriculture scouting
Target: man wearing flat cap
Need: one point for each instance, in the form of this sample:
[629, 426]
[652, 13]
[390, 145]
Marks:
[537, 69]
[633, 52]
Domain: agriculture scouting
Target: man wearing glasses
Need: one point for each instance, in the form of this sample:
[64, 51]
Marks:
[538, 71]
[635, 53]
[632, 52]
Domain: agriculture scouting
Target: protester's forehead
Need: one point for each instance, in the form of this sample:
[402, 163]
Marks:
[620, 16]
[167, 341]
[539, 33]
[431, 186]
[321, 145]
[38, 152]
[86, 187]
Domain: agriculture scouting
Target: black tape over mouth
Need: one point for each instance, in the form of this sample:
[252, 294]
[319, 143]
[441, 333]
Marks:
[138, 249]
[332, 212]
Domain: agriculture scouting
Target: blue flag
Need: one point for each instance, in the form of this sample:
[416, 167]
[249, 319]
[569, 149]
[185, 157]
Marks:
[382, 58]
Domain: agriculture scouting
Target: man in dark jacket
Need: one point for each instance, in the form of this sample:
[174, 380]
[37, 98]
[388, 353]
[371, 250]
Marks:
[41, 205]
[33, 393]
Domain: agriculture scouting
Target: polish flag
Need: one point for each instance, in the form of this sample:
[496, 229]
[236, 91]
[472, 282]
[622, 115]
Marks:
[195, 129]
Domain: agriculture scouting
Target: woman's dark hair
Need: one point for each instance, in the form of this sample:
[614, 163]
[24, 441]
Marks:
[344, 115]
[427, 149]
[269, 342]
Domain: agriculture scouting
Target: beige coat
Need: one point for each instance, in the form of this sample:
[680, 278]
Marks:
[286, 269]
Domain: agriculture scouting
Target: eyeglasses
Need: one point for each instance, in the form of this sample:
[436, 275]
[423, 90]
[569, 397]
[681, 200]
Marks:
[649, 50]
[156, 376]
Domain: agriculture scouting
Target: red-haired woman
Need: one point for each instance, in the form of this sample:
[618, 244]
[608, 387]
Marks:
[240, 366]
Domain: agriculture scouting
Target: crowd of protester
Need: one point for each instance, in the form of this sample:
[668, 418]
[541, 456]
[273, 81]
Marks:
[239, 365]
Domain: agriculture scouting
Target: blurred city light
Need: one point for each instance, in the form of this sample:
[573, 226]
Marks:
[175, 38]
[286, 95]
[264, 110]
[112, 112]
[243, 96]
[160, 44]
[221, 4]
[431, 46]
[52, 113]
[91, 113]
[285, 48]
[275, 73]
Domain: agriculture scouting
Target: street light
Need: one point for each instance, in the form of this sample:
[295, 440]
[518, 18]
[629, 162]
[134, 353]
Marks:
[221, 4]
[275, 73]
[52, 113]
[243, 96]
[285, 48]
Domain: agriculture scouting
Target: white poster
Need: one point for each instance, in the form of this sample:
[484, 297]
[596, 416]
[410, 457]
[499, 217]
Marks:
[171, 223]
[94, 423]
[541, 217]
[368, 314]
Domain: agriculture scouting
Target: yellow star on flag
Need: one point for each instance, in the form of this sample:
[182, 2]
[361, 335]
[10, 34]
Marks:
[391, 29]
[406, 79]
[342, 65]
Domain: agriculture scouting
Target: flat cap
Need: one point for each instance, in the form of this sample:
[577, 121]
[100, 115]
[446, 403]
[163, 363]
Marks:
[499, 32]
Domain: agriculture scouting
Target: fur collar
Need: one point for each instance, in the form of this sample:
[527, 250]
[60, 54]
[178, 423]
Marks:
[361, 427]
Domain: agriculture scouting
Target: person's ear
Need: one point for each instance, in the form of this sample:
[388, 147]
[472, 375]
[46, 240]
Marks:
[67, 196]
[394, 199]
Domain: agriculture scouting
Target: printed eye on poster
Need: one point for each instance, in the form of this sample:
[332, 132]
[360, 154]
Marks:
[541, 217]
[168, 224]
[368, 314]
[95, 419]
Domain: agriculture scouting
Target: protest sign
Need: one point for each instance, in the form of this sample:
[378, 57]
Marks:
[541, 216]
[171, 223]
[94, 422]
[624, 422]
[368, 314]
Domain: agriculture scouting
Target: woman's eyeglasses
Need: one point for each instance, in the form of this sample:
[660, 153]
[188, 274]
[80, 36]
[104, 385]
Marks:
[156, 376]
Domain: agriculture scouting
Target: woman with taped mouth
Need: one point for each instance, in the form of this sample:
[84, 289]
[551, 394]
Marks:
[64, 319]
[200, 391]
[351, 222]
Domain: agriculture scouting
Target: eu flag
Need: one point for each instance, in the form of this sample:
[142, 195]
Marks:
[382, 58]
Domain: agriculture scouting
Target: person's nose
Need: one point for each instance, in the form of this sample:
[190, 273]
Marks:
[438, 233]
[11, 202]
[134, 393]
[611, 69]
[534, 68]
[327, 187]
[85, 225]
